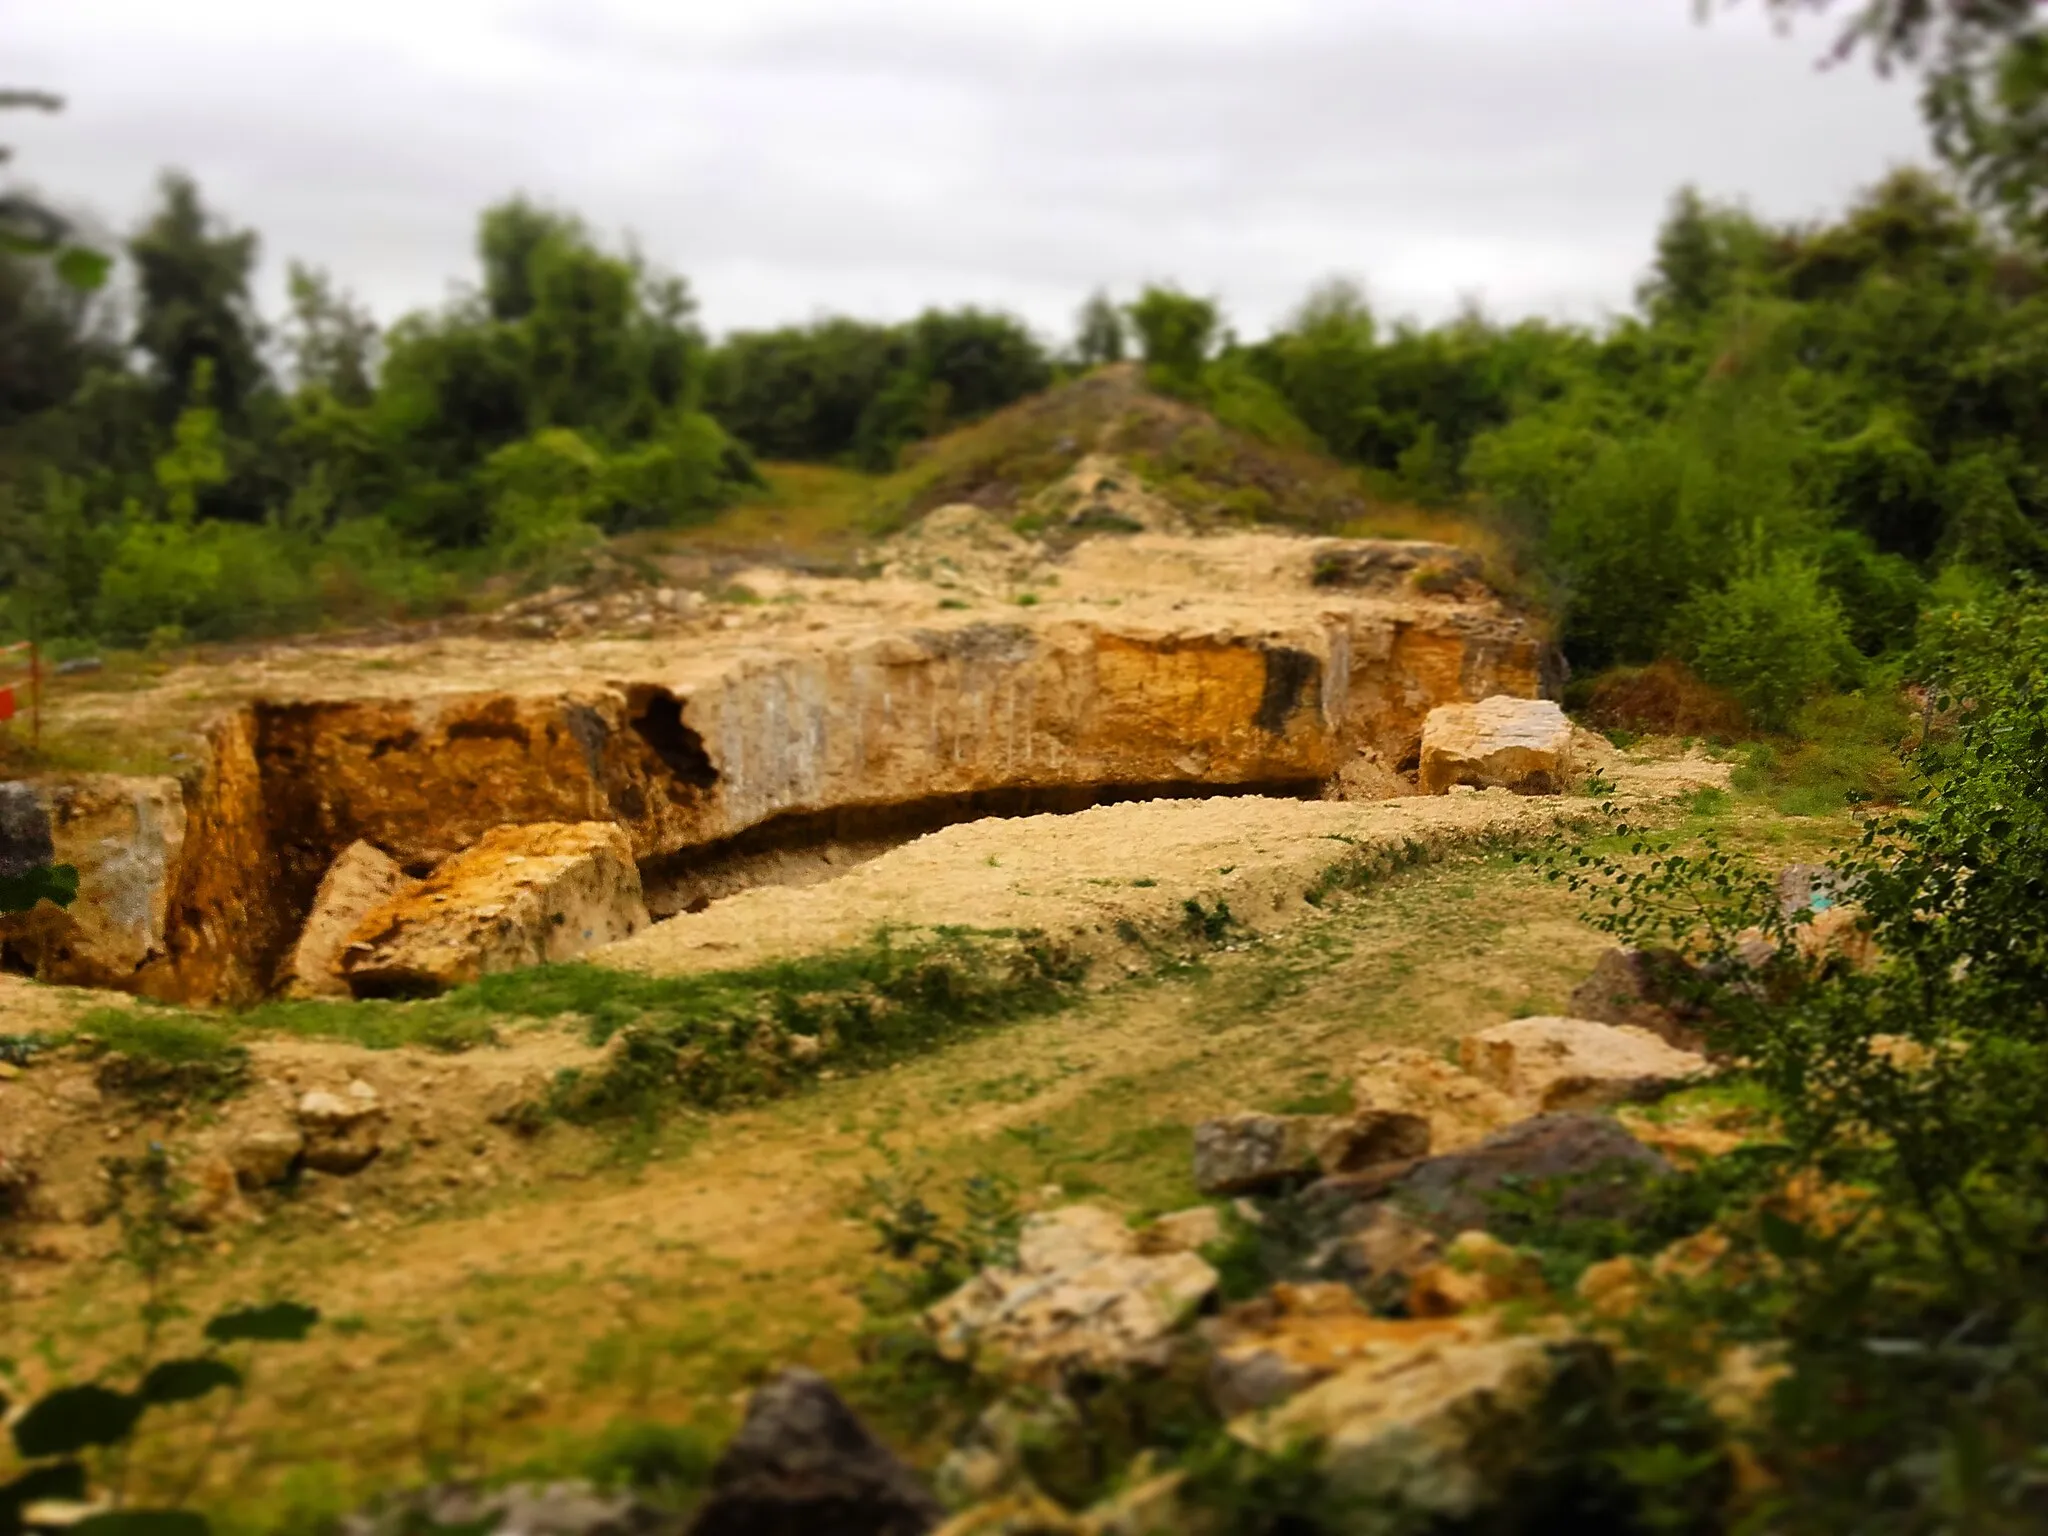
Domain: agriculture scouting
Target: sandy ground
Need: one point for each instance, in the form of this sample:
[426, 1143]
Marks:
[1091, 878]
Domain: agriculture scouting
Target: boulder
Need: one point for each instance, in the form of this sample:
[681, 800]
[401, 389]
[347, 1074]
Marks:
[1461, 1109]
[1081, 1296]
[1499, 743]
[343, 1131]
[363, 879]
[517, 897]
[1644, 988]
[520, 1509]
[264, 1155]
[1600, 1171]
[1252, 1153]
[1552, 1064]
[802, 1463]
[1434, 1427]
[125, 837]
[1266, 1350]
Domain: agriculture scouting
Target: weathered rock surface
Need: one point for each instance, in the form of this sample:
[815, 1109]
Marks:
[1266, 1350]
[264, 1155]
[1461, 1109]
[1436, 1425]
[125, 837]
[363, 879]
[1600, 1166]
[1081, 1295]
[802, 1463]
[1251, 1153]
[1499, 743]
[519, 896]
[343, 1132]
[1552, 1064]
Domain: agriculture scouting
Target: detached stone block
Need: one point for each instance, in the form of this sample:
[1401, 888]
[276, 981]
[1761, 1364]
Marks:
[518, 897]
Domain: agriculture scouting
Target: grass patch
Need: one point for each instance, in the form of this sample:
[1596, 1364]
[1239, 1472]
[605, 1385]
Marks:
[709, 1039]
[1846, 749]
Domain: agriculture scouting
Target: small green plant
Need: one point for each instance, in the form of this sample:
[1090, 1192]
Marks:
[72, 1444]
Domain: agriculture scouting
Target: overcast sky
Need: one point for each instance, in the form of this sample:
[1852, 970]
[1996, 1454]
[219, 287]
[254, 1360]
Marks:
[874, 156]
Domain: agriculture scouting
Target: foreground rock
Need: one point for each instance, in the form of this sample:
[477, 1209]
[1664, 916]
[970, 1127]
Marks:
[1082, 1295]
[363, 879]
[520, 896]
[1272, 1348]
[1552, 1064]
[1499, 743]
[1435, 1424]
[1255, 1153]
[1600, 1171]
[803, 1464]
[124, 836]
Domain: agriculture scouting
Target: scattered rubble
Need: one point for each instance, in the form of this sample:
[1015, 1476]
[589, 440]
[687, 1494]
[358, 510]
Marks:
[1461, 1109]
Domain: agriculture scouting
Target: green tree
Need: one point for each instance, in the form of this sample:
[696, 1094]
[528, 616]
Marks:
[1099, 331]
[194, 305]
[331, 338]
[1774, 637]
[1175, 334]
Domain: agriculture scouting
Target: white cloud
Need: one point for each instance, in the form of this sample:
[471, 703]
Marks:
[794, 156]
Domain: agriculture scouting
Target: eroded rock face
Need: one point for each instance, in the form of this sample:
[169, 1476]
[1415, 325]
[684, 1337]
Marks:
[1266, 682]
[1081, 1296]
[125, 837]
[363, 879]
[1552, 1064]
[520, 896]
[1499, 743]
[802, 1463]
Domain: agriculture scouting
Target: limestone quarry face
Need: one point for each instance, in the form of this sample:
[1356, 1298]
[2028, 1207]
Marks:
[838, 714]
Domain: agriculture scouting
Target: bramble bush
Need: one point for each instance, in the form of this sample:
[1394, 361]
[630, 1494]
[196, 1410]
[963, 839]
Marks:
[1909, 1301]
